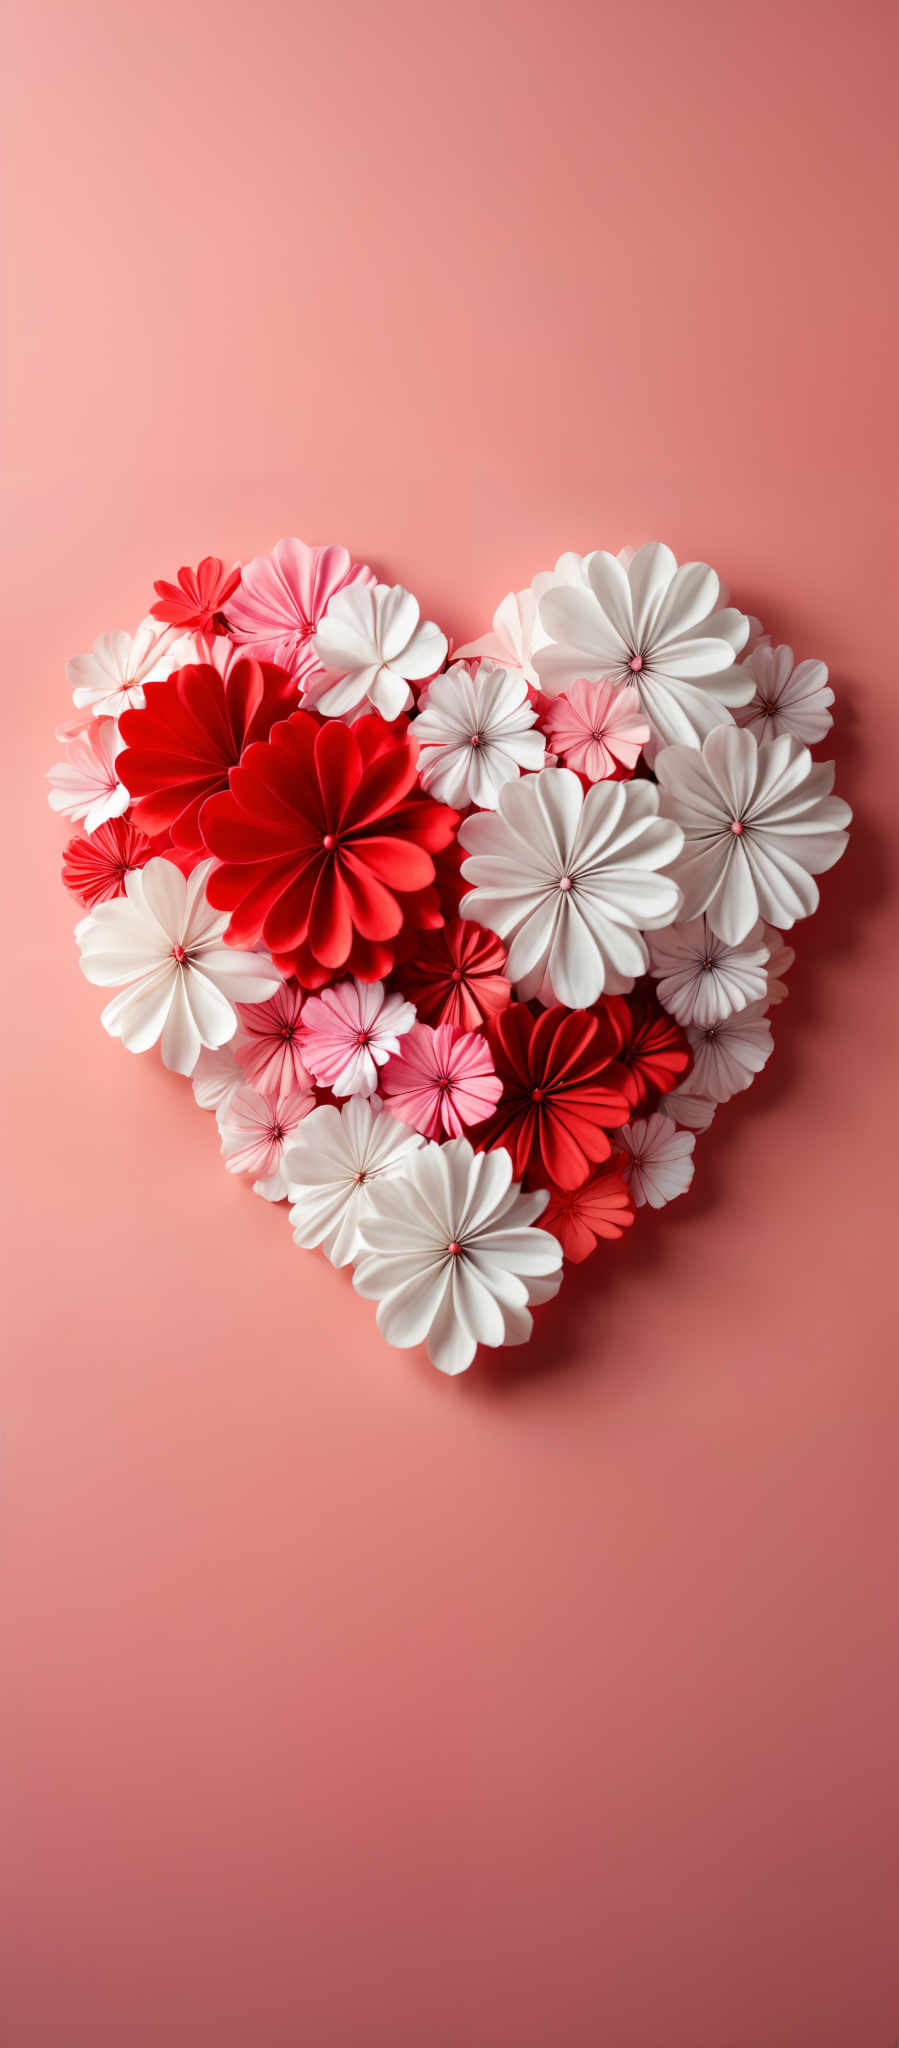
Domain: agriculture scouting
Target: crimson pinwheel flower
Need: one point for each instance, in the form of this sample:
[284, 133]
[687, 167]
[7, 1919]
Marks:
[325, 842]
[600, 1207]
[94, 867]
[457, 975]
[655, 1052]
[563, 1089]
[192, 730]
[196, 601]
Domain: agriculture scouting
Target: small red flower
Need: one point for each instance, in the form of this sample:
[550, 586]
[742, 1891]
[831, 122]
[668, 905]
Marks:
[562, 1091]
[457, 975]
[600, 1207]
[199, 596]
[94, 865]
[325, 843]
[654, 1050]
[192, 730]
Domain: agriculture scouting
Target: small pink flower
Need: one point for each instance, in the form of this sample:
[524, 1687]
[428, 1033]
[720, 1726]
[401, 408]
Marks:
[597, 729]
[255, 1129]
[281, 600]
[267, 1042]
[348, 1033]
[441, 1080]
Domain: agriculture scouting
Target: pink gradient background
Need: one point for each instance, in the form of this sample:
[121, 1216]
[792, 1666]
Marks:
[343, 1704]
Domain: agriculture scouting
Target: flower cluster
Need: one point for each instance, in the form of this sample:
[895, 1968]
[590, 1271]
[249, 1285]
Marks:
[460, 950]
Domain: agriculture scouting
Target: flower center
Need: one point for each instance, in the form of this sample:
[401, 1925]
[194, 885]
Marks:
[329, 842]
[362, 1038]
[286, 1032]
[736, 827]
[359, 1176]
[456, 974]
[475, 739]
[635, 664]
[536, 1094]
[454, 1247]
[178, 953]
[564, 883]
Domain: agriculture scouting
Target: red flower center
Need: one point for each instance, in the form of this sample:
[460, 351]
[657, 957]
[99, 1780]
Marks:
[454, 1247]
[178, 954]
[737, 827]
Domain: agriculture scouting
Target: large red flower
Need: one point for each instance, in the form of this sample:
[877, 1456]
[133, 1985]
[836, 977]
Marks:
[654, 1050]
[456, 975]
[196, 601]
[325, 841]
[192, 730]
[600, 1207]
[562, 1091]
[94, 864]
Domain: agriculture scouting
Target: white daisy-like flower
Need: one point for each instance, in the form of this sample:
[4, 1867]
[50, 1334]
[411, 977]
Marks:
[256, 1131]
[656, 1160]
[349, 1032]
[727, 1056]
[516, 635]
[451, 1255]
[758, 823]
[655, 626]
[693, 1112]
[476, 733]
[337, 1160]
[215, 1076]
[86, 784]
[786, 699]
[163, 940]
[372, 643]
[780, 960]
[569, 879]
[110, 679]
[700, 979]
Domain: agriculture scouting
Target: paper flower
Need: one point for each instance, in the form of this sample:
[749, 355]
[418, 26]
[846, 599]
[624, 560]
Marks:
[570, 881]
[192, 731]
[267, 1042]
[349, 1032]
[693, 1112]
[516, 635]
[727, 1056]
[654, 1051]
[780, 960]
[86, 784]
[657, 1160]
[700, 978]
[94, 869]
[451, 1255]
[256, 1130]
[457, 975]
[758, 823]
[215, 1076]
[164, 942]
[196, 602]
[600, 1207]
[562, 1092]
[786, 699]
[372, 643]
[475, 734]
[441, 1080]
[110, 679]
[654, 626]
[596, 728]
[325, 844]
[281, 599]
[337, 1160]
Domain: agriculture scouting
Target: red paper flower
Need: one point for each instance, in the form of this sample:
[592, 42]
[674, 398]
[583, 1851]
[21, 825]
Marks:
[654, 1050]
[601, 1207]
[191, 732]
[562, 1091]
[325, 842]
[94, 865]
[196, 600]
[457, 975]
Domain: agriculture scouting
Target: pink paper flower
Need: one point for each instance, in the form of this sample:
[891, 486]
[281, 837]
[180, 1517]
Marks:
[441, 1080]
[598, 729]
[267, 1042]
[282, 598]
[348, 1033]
[255, 1129]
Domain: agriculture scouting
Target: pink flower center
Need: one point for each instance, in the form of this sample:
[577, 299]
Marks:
[737, 827]
[635, 664]
[362, 1038]
[475, 739]
[564, 883]
[178, 954]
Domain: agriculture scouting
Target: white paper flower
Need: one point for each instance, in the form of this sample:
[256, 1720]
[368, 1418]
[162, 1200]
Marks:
[786, 699]
[349, 1032]
[372, 643]
[700, 979]
[110, 679]
[516, 635]
[476, 734]
[166, 944]
[653, 625]
[780, 960]
[694, 1112]
[570, 880]
[337, 1160]
[758, 823]
[727, 1056]
[256, 1131]
[215, 1076]
[86, 784]
[656, 1160]
[450, 1254]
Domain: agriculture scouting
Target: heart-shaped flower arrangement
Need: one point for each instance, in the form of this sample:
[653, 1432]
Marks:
[462, 949]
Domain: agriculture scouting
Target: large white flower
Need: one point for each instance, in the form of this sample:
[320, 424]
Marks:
[656, 1160]
[653, 625]
[758, 823]
[166, 944]
[700, 979]
[727, 1056]
[337, 1160]
[86, 784]
[372, 643]
[450, 1254]
[786, 699]
[570, 880]
[475, 734]
[110, 679]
